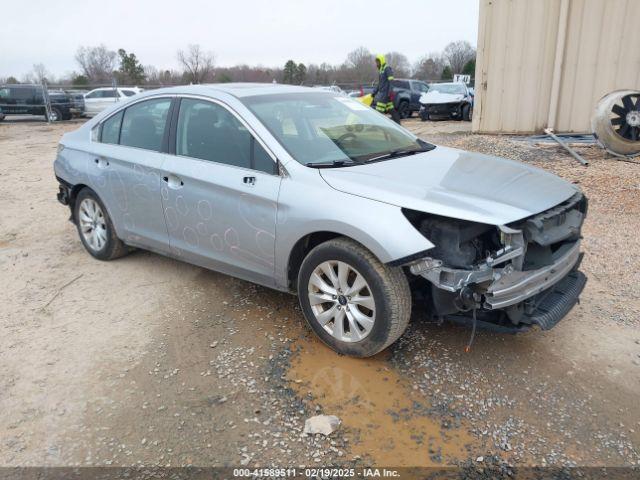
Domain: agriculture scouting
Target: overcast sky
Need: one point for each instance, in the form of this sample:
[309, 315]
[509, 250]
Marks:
[255, 32]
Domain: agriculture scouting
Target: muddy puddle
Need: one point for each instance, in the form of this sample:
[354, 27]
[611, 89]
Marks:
[387, 422]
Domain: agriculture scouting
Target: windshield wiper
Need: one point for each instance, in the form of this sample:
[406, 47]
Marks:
[333, 164]
[402, 152]
[394, 154]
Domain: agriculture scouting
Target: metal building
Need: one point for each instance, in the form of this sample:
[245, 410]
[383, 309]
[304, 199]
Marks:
[546, 63]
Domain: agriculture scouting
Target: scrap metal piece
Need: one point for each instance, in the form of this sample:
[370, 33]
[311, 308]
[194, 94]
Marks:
[573, 153]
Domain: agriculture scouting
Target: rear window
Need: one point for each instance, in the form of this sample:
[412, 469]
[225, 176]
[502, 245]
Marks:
[143, 124]
[400, 84]
[128, 93]
[19, 93]
[111, 129]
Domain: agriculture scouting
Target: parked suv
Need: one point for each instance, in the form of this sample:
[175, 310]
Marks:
[100, 98]
[406, 95]
[29, 100]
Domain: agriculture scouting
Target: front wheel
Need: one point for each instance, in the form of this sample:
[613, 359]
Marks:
[467, 112]
[355, 304]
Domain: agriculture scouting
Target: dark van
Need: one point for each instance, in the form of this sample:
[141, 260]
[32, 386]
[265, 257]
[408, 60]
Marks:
[29, 100]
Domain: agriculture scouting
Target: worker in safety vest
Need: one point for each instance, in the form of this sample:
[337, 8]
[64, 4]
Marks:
[382, 93]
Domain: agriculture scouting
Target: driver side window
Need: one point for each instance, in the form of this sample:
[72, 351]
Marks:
[208, 131]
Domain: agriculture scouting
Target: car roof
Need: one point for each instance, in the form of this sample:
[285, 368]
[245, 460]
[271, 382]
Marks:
[20, 85]
[238, 90]
[116, 88]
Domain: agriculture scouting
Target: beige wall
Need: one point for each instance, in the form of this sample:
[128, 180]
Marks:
[518, 40]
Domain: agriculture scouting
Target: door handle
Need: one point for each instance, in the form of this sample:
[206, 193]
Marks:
[173, 181]
[249, 180]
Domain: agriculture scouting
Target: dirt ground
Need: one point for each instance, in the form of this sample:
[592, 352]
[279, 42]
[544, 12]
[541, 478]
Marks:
[146, 360]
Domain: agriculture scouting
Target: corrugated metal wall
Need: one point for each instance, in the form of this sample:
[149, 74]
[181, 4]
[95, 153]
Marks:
[517, 54]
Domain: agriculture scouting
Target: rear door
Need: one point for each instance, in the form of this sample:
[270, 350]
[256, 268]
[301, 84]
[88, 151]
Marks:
[220, 192]
[125, 169]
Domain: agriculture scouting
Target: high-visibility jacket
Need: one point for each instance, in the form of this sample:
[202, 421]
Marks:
[382, 91]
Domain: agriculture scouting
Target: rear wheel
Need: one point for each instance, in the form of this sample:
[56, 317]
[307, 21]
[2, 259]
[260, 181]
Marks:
[355, 304]
[95, 227]
[54, 116]
[404, 110]
[424, 116]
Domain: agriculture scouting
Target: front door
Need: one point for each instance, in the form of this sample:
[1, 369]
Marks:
[220, 193]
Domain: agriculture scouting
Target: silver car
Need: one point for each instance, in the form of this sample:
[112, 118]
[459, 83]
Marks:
[307, 191]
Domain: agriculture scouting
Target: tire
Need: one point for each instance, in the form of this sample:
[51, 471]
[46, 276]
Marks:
[56, 115]
[103, 244]
[404, 110]
[424, 116]
[466, 112]
[458, 117]
[385, 289]
[1, 117]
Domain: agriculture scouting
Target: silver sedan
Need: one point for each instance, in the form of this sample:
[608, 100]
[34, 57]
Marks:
[306, 191]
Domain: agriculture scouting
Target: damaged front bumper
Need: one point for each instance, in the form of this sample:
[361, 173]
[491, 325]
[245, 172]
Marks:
[511, 286]
[542, 296]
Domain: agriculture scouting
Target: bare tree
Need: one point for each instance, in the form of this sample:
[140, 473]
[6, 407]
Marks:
[429, 67]
[399, 63]
[97, 63]
[458, 54]
[198, 64]
[361, 65]
[40, 73]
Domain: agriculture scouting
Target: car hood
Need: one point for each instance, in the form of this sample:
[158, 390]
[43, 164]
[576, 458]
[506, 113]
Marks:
[437, 97]
[456, 184]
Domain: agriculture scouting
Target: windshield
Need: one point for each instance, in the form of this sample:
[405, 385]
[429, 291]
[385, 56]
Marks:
[455, 88]
[324, 128]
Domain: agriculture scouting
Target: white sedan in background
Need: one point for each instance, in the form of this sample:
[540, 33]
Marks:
[100, 98]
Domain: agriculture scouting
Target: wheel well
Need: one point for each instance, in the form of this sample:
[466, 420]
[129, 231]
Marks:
[73, 194]
[301, 249]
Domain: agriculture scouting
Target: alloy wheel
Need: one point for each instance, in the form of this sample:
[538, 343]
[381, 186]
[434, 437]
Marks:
[341, 301]
[93, 224]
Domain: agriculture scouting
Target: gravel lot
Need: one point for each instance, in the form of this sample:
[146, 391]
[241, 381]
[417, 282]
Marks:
[146, 360]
